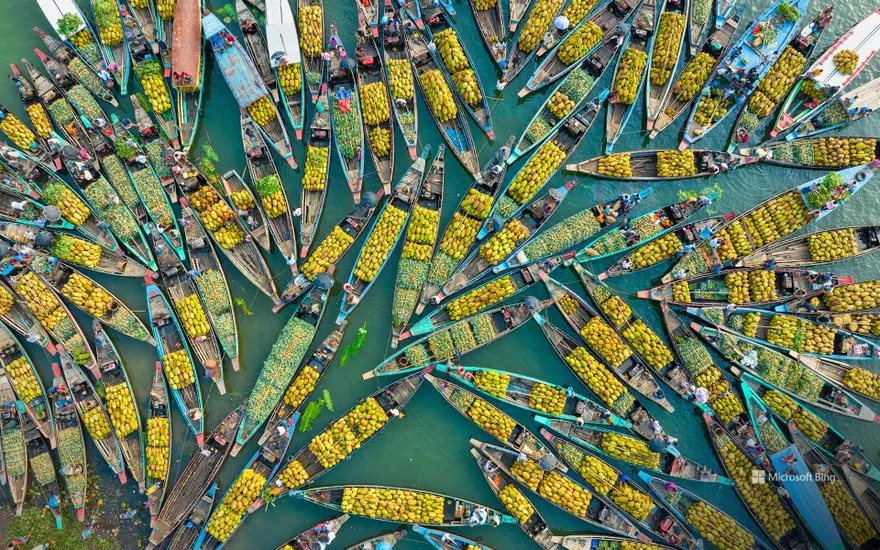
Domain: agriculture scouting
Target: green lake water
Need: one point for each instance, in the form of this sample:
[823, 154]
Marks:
[429, 448]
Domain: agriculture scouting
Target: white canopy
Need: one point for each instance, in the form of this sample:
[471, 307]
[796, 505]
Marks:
[54, 10]
[281, 36]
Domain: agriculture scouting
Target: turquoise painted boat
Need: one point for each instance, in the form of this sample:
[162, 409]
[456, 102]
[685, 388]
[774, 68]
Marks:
[90, 50]
[343, 86]
[185, 536]
[443, 540]
[108, 16]
[282, 40]
[159, 415]
[390, 539]
[20, 370]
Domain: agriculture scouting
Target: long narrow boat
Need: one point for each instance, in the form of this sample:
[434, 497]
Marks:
[331, 248]
[77, 67]
[146, 18]
[34, 213]
[256, 47]
[286, 60]
[41, 465]
[658, 165]
[315, 537]
[339, 440]
[153, 142]
[843, 374]
[707, 520]
[372, 84]
[695, 74]
[453, 125]
[21, 320]
[270, 193]
[198, 475]
[802, 205]
[188, 68]
[314, 190]
[165, 14]
[444, 540]
[785, 374]
[13, 186]
[108, 18]
[346, 114]
[73, 28]
[212, 286]
[698, 26]
[841, 111]
[37, 115]
[190, 308]
[735, 79]
[439, 346]
[92, 412]
[516, 12]
[179, 368]
[631, 71]
[391, 224]
[29, 139]
[283, 361]
[489, 18]
[310, 23]
[246, 85]
[396, 61]
[304, 382]
[822, 82]
[243, 200]
[123, 411]
[390, 539]
[816, 248]
[779, 80]
[186, 535]
[158, 442]
[470, 214]
[818, 153]
[865, 494]
[524, 42]
[242, 254]
[26, 383]
[71, 448]
[248, 485]
[13, 448]
[502, 427]
[664, 57]
[117, 174]
[419, 244]
[450, 511]
[587, 541]
[368, 16]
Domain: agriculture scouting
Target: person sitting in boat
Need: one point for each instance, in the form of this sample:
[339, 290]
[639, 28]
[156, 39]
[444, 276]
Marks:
[478, 517]
[451, 541]
[248, 27]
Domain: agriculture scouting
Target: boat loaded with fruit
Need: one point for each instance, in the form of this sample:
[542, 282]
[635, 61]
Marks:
[316, 174]
[399, 74]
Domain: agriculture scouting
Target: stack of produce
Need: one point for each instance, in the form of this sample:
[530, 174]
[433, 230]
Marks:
[243, 200]
[718, 528]
[40, 300]
[109, 21]
[393, 504]
[863, 381]
[560, 105]
[846, 61]
[14, 454]
[613, 306]
[154, 149]
[456, 63]
[294, 475]
[463, 336]
[681, 292]
[777, 82]
[617, 165]
[667, 44]
[500, 245]
[382, 239]
[648, 344]
[605, 341]
[565, 493]
[24, 381]
[656, 251]
[491, 419]
[809, 424]
[580, 43]
[438, 95]
[516, 503]
[533, 175]
[577, 10]
[599, 475]
[847, 514]
[537, 130]
[380, 141]
[853, 297]
[117, 216]
[39, 118]
[347, 126]
[96, 423]
[262, 111]
[192, 316]
[44, 469]
[229, 235]
[476, 204]
[154, 197]
[676, 164]
[86, 295]
[829, 246]
[762, 285]
[290, 78]
[235, 503]
[480, 298]
[120, 405]
[400, 79]
[468, 88]
[84, 102]
[483, 5]
[178, 369]
[166, 8]
[441, 345]
[151, 75]
[868, 324]
[214, 295]
[412, 270]
[547, 399]
[594, 374]
[311, 30]
[629, 75]
[710, 110]
[117, 174]
[70, 453]
[456, 241]
[62, 113]
[539, 19]
[528, 472]
[738, 238]
[83, 74]
[785, 214]
[158, 441]
[330, 249]
[346, 435]
[577, 85]
[422, 228]
[727, 407]
[6, 301]
[269, 189]
[73, 209]
[492, 382]
[374, 99]
[629, 449]
[563, 235]
[840, 152]
[814, 92]
[301, 387]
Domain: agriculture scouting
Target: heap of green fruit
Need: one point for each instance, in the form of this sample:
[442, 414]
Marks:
[868, 324]
[863, 381]
[178, 369]
[76, 251]
[846, 61]
[271, 195]
[616, 309]
[346, 435]
[315, 174]
[380, 141]
[560, 105]
[718, 528]
[547, 399]
[262, 110]
[109, 21]
[777, 82]
[419, 253]
[565, 493]
[710, 110]
[516, 503]
[809, 424]
[311, 30]
[656, 251]
[536, 172]
[73, 209]
[290, 78]
[294, 475]
[629, 449]
[492, 382]
[606, 342]
[842, 152]
[374, 99]
[676, 164]
[568, 304]
[235, 503]
[326, 254]
[120, 405]
[422, 227]
[438, 95]
[151, 75]
[577, 10]
[762, 285]
[694, 77]
[847, 514]
[476, 204]
[629, 75]
[25, 383]
[528, 472]
[400, 79]
[451, 51]
[648, 344]
[40, 300]
[382, 238]
[192, 316]
[617, 166]
[667, 44]
[480, 298]
[681, 292]
[96, 423]
[158, 442]
[229, 236]
[580, 43]
[853, 297]
[538, 22]
[782, 216]
[727, 407]
[6, 301]
[632, 501]
[458, 236]
[491, 419]
[750, 323]
[40, 119]
[166, 8]
[301, 387]
[594, 374]
[737, 287]
[563, 235]
[500, 245]
[483, 5]
[394, 505]
[465, 82]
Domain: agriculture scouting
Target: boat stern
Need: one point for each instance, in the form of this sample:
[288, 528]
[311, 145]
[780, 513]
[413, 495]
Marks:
[368, 375]
[683, 145]
[643, 294]
[298, 132]
[236, 365]
[123, 479]
[200, 439]
[649, 125]
[236, 448]
[604, 275]
[413, 154]
[80, 516]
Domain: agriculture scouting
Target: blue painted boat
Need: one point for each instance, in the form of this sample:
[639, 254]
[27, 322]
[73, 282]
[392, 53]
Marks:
[188, 532]
[443, 540]
[114, 53]
[343, 88]
[55, 10]
[841, 111]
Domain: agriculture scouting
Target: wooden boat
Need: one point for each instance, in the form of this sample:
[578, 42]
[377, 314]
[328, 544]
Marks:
[305, 464]
[71, 449]
[488, 327]
[794, 252]
[254, 220]
[486, 188]
[490, 25]
[456, 511]
[185, 536]
[368, 16]
[86, 400]
[262, 167]
[444, 540]
[656, 94]
[824, 76]
[754, 49]
[645, 165]
[597, 512]
[146, 18]
[785, 374]
[412, 271]
[841, 111]
[685, 504]
[312, 200]
[114, 53]
[188, 68]
[370, 71]
[246, 84]
[749, 120]
[14, 186]
[313, 65]
[631, 369]
[587, 541]
[531, 219]
[20, 319]
[800, 200]
[804, 152]
[256, 47]
[213, 288]
[867, 497]
[165, 25]
[518, 439]
[243, 255]
[154, 144]
[698, 25]
[81, 33]
[14, 450]
[455, 131]
[264, 463]
[169, 335]
[342, 86]
[319, 363]
[117, 174]
[40, 462]
[413, 10]
[287, 352]
[41, 152]
[515, 60]
[159, 408]
[552, 68]
[837, 372]
[403, 198]
[390, 539]
[715, 47]
[393, 49]
[315, 539]
[195, 479]
[113, 374]
[282, 40]
[18, 367]
[641, 39]
[36, 115]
